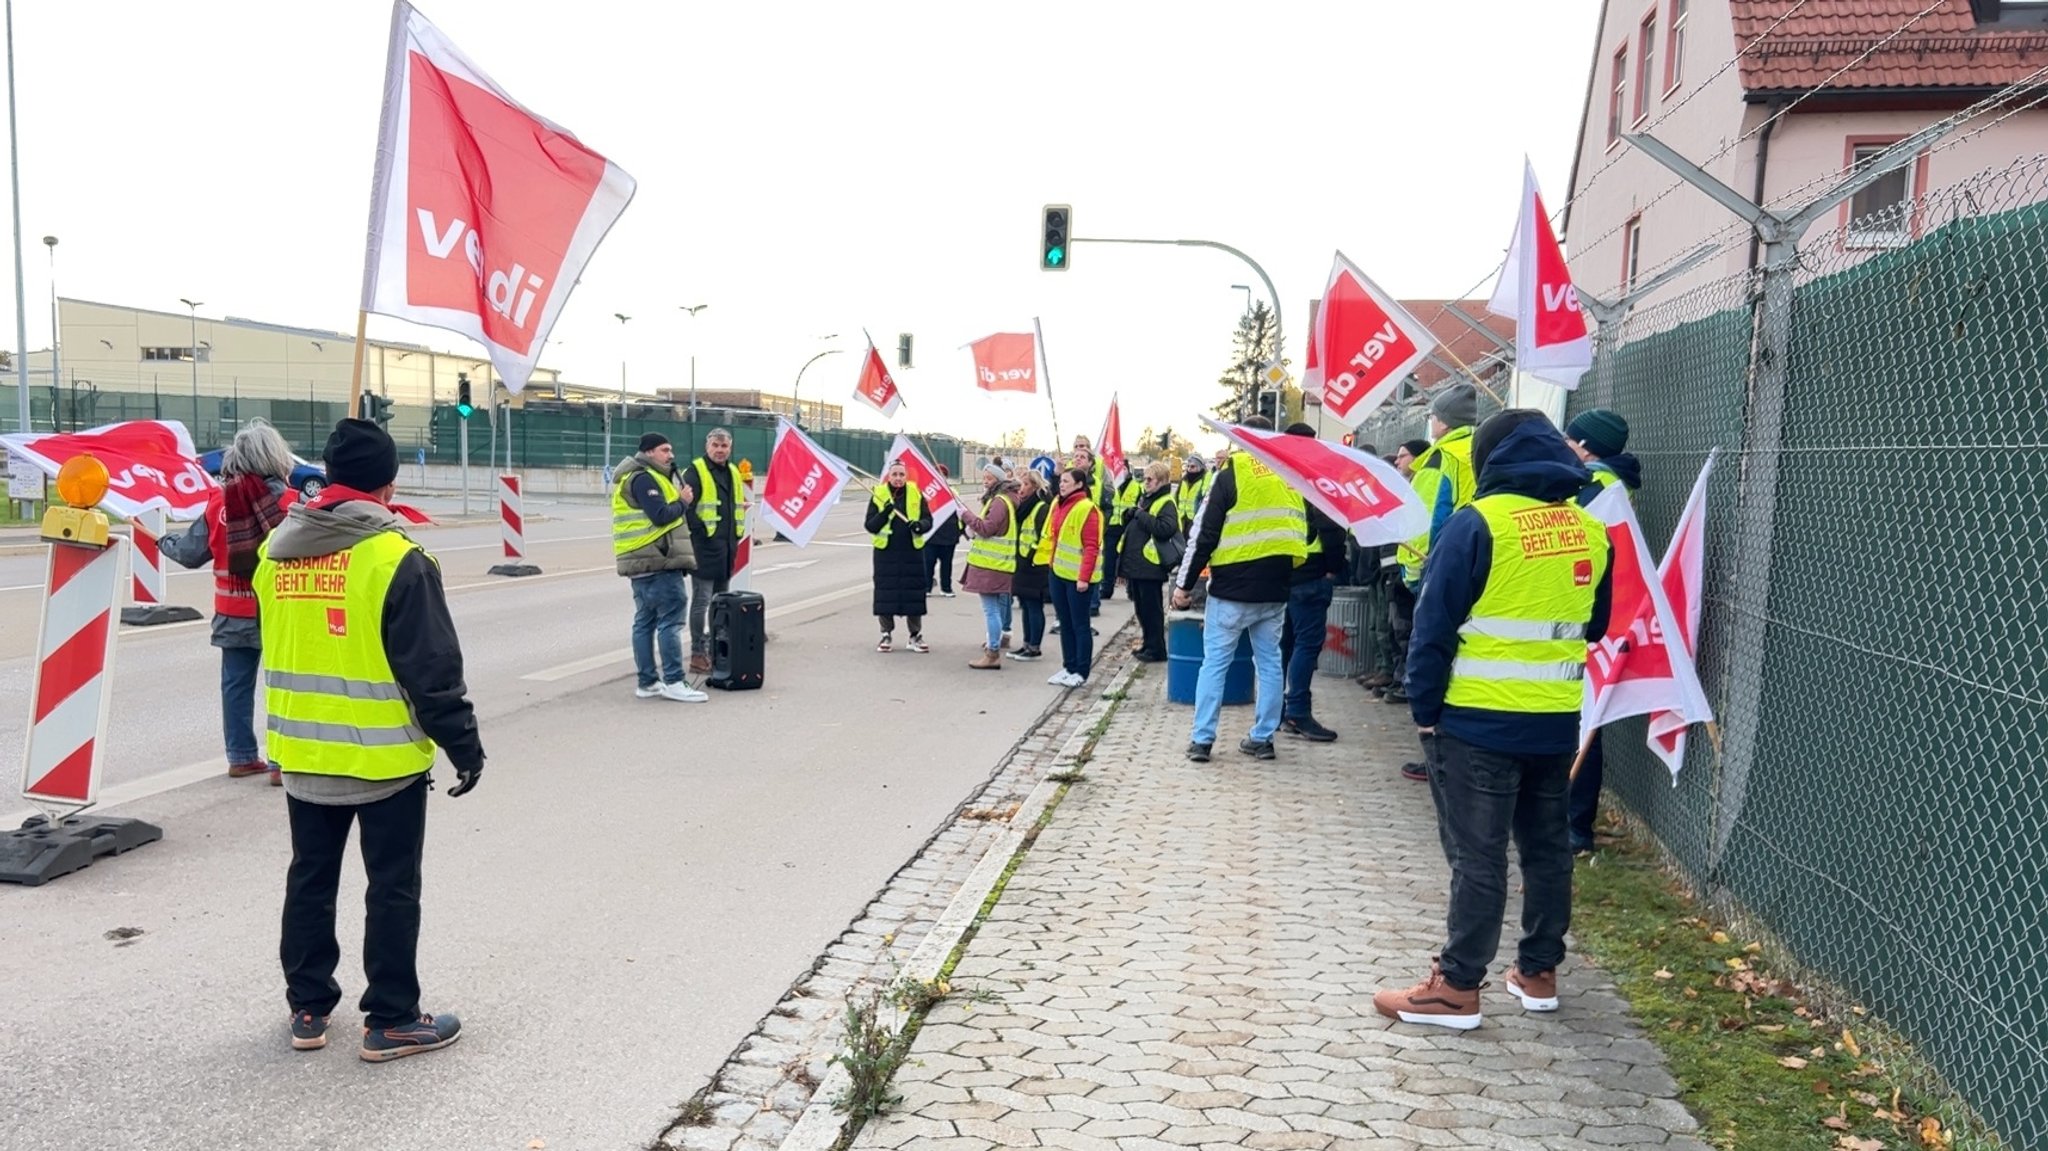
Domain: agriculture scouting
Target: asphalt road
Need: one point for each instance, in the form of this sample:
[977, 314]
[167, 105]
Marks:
[630, 888]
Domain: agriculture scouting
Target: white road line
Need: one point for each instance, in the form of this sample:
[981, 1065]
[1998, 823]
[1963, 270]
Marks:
[595, 662]
[135, 789]
[531, 543]
[515, 581]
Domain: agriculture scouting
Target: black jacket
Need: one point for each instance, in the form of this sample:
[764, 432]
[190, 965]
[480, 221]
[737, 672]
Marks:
[714, 552]
[1332, 561]
[1143, 527]
[1263, 580]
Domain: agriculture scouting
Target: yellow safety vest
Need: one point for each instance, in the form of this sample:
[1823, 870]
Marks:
[1189, 501]
[1031, 529]
[1151, 550]
[1448, 458]
[1067, 550]
[1523, 647]
[1603, 478]
[632, 529]
[709, 510]
[1124, 499]
[1268, 519]
[334, 706]
[913, 507]
[996, 553]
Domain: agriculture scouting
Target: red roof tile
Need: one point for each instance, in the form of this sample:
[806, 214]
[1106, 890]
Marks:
[1464, 343]
[1942, 49]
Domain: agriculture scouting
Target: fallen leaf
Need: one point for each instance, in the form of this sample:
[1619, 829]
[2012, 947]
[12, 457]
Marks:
[1858, 1012]
[1770, 1028]
[536, 1145]
[1661, 973]
[1849, 1041]
[1792, 1061]
[1866, 1098]
[1720, 937]
[1836, 1122]
[1691, 994]
[1851, 1143]
[1737, 963]
[1754, 949]
[1931, 1134]
[1732, 1023]
[1823, 1087]
[1802, 1012]
[1819, 1053]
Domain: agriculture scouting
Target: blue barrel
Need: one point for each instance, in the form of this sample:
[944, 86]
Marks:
[1184, 664]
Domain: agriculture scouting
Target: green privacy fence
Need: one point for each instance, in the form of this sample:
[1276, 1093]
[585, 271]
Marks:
[1876, 632]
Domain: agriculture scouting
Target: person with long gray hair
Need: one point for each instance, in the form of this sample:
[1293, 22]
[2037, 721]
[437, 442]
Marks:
[254, 491]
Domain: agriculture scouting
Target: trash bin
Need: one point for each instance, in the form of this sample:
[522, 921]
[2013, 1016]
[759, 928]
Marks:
[1184, 663]
[1346, 642]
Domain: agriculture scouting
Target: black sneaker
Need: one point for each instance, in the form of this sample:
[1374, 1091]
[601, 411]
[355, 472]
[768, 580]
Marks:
[1307, 728]
[1415, 771]
[1257, 749]
[1199, 752]
[309, 1031]
[1394, 695]
[429, 1033]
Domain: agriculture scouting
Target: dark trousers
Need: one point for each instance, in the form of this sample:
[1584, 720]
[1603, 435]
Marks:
[1301, 644]
[1112, 544]
[1077, 636]
[1482, 798]
[393, 832]
[1034, 621]
[1400, 622]
[1585, 794]
[938, 568]
[1148, 597]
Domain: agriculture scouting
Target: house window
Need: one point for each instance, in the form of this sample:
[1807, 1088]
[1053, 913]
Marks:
[174, 355]
[1631, 252]
[1674, 56]
[1617, 100]
[1881, 215]
[1646, 68]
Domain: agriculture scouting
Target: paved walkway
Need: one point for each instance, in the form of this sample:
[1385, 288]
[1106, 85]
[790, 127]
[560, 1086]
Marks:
[1187, 957]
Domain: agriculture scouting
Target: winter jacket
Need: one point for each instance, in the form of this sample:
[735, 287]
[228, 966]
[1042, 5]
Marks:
[900, 578]
[994, 521]
[674, 551]
[1331, 564]
[1153, 520]
[234, 601]
[714, 551]
[1030, 580]
[1091, 536]
[1263, 580]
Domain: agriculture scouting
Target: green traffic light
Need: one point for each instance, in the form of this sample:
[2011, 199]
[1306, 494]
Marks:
[464, 410]
[1055, 256]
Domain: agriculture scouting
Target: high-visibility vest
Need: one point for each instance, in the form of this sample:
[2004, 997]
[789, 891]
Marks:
[996, 553]
[334, 706]
[1523, 647]
[1268, 519]
[1189, 501]
[1124, 499]
[1151, 550]
[1031, 529]
[1448, 458]
[710, 510]
[1067, 549]
[1604, 477]
[913, 507]
[632, 528]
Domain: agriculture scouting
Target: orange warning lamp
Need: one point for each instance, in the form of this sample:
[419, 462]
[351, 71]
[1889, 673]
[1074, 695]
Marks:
[81, 484]
[746, 471]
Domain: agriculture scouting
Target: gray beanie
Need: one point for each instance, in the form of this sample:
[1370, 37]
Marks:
[1457, 405]
[993, 471]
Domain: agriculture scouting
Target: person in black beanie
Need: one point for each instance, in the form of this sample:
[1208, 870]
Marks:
[365, 683]
[1599, 437]
[655, 552]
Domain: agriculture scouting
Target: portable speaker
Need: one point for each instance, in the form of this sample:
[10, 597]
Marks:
[739, 637]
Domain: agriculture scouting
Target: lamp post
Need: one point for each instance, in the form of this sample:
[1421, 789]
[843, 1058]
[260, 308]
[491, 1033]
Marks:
[194, 349]
[20, 297]
[1247, 290]
[797, 387]
[693, 309]
[622, 318]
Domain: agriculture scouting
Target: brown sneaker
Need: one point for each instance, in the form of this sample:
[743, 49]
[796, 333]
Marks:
[243, 770]
[700, 664]
[276, 777]
[988, 660]
[1537, 992]
[1432, 1002]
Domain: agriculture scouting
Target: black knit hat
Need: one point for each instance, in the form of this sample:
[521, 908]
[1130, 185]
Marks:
[652, 440]
[360, 455]
[1600, 431]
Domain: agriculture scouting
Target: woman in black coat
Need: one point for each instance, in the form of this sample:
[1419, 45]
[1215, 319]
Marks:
[1151, 534]
[938, 551]
[1029, 584]
[899, 521]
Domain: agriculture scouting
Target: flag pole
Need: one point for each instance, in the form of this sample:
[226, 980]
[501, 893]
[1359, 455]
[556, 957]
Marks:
[355, 386]
[901, 403]
[1474, 376]
[1045, 374]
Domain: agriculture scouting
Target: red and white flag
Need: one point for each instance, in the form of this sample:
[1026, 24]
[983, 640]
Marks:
[1006, 362]
[150, 464]
[1683, 574]
[938, 494]
[803, 482]
[1364, 344]
[1357, 489]
[483, 213]
[1640, 665]
[876, 388]
[1109, 446]
[1535, 290]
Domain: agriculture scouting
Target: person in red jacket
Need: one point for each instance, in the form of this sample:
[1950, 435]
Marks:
[240, 513]
[1073, 552]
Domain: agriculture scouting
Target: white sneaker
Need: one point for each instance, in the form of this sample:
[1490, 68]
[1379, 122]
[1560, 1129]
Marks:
[682, 693]
[648, 692]
[1077, 680]
[1058, 678]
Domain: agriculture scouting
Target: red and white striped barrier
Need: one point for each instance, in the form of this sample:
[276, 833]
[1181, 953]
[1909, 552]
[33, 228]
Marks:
[148, 586]
[512, 529]
[743, 553]
[74, 674]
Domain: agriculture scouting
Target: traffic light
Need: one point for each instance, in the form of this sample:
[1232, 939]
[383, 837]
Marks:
[903, 350]
[376, 407]
[1056, 251]
[1269, 407]
[463, 406]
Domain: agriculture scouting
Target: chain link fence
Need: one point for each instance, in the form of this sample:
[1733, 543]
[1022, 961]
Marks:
[1876, 628]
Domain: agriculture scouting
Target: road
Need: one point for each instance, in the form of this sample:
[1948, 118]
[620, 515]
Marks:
[631, 887]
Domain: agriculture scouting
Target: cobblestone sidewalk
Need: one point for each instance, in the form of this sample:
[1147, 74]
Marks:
[1187, 957]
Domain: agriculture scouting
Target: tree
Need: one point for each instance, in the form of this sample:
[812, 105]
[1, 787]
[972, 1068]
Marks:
[1013, 440]
[1254, 344]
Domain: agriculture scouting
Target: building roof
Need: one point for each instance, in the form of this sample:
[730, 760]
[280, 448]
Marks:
[1946, 48]
[1464, 343]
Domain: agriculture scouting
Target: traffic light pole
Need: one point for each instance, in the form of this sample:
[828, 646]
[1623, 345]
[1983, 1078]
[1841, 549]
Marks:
[1278, 329]
[462, 449]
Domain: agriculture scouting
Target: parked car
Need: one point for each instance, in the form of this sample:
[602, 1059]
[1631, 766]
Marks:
[308, 478]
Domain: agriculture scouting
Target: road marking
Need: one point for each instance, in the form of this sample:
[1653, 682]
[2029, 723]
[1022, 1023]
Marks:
[595, 662]
[136, 789]
[536, 542]
[515, 581]
[792, 565]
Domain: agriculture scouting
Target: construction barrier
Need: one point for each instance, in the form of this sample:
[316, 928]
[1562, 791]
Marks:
[148, 586]
[512, 530]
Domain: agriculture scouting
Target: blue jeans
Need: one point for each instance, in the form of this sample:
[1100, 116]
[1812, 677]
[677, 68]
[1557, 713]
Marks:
[659, 602]
[1308, 617]
[238, 702]
[1077, 637]
[1033, 611]
[995, 613]
[1222, 622]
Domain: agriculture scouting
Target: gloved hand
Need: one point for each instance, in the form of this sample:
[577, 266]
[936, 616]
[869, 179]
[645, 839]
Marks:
[466, 778]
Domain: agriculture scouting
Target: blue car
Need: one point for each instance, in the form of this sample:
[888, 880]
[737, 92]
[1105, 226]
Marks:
[307, 478]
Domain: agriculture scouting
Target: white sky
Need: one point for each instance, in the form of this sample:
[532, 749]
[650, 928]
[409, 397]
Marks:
[815, 167]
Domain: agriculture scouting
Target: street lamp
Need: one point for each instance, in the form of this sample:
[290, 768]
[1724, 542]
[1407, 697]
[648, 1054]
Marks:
[622, 318]
[1247, 290]
[798, 386]
[194, 349]
[693, 309]
[20, 297]
[50, 242]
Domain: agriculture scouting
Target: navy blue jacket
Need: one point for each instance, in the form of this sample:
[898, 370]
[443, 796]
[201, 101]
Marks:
[1531, 460]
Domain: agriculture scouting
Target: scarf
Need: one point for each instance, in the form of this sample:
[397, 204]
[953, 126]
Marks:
[251, 511]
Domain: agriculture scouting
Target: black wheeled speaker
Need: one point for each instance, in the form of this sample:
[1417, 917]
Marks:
[739, 635]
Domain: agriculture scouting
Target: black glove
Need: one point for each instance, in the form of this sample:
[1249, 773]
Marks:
[467, 778]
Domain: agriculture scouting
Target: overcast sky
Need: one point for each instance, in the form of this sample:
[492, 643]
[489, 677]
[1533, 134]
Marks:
[818, 167]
